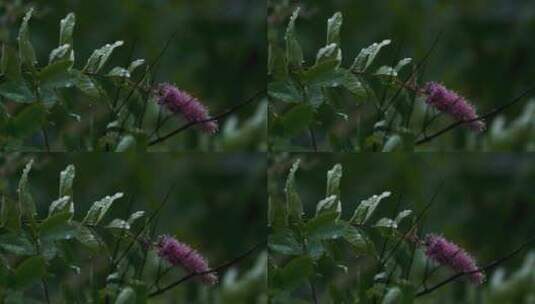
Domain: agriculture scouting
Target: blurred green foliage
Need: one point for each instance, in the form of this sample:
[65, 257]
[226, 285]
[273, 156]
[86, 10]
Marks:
[218, 54]
[483, 52]
[483, 203]
[217, 203]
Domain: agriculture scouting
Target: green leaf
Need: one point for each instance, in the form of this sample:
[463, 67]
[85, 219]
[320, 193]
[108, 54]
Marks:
[66, 28]
[295, 272]
[277, 66]
[325, 74]
[29, 271]
[57, 227]
[329, 204]
[11, 217]
[366, 208]
[353, 84]
[297, 119]
[17, 91]
[295, 207]
[66, 180]
[294, 53]
[10, 63]
[277, 213]
[16, 243]
[25, 198]
[392, 143]
[59, 53]
[98, 209]
[27, 121]
[402, 215]
[353, 236]
[63, 204]
[135, 216]
[392, 296]
[119, 72]
[285, 242]
[118, 224]
[98, 59]
[324, 227]
[85, 84]
[56, 75]
[87, 238]
[26, 51]
[333, 181]
[126, 296]
[331, 54]
[135, 64]
[285, 91]
[367, 55]
[334, 25]
[403, 62]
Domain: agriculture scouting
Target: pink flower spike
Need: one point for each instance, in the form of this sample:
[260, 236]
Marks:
[178, 253]
[451, 103]
[181, 102]
[449, 254]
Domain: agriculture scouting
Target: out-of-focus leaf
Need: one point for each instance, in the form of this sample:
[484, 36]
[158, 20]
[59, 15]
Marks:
[126, 296]
[17, 91]
[277, 213]
[294, 53]
[135, 216]
[99, 208]
[10, 63]
[366, 208]
[295, 207]
[333, 28]
[66, 28]
[16, 243]
[329, 204]
[135, 64]
[295, 272]
[25, 197]
[85, 84]
[333, 181]
[98, 59]
[11, 217]
[118, 224]
[87, 238]
[63, 204]
[56, 75]
[59, 53]
[354, 237]
[285, 91]
[325, 227]
[26, 51]
[29, 271]
[57, 227]
[119, 72]
[367, 55]
[66, 180]
[284, 241]
[297, 119]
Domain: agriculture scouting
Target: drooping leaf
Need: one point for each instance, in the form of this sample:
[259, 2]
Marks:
[26, 51]
[119, 72]
[295, 207]
[402, 215]
[294, 53]
[29, 271]
[367, 55]
[99, 208]
[366, 208]
[329, 204]
[98, 59]
[135, 64]
[135, 216]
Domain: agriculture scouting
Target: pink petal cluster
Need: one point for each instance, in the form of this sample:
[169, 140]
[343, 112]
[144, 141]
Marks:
[449, 254]
[180, 101]
[178, 253]
[449, 102]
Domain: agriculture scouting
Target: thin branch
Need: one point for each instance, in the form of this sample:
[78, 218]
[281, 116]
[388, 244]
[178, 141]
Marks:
[480, 118]
[190, 276]
[481, 269]
[217, 117]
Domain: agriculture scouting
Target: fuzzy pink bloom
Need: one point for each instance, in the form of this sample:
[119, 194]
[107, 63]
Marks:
[449, 254]
[449, 102]
[178, 253]
[180, 101]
